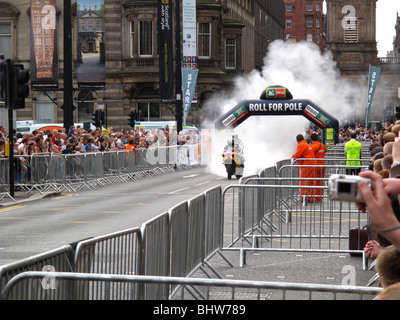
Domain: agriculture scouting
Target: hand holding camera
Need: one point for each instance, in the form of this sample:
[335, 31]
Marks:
[379, 205]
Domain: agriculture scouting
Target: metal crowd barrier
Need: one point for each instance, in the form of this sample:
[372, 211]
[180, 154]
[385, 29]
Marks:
[320, 225]
[60, 259]
[116, 253]
[72, 172]
[212, 289]
[156, 261]
[270, 214]
[339, 151]
[176, 243]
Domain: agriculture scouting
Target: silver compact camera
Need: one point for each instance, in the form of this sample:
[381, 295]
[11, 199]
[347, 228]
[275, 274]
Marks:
[345, 187]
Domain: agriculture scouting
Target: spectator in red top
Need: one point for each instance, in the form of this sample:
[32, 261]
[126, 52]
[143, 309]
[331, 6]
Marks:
[304, 151]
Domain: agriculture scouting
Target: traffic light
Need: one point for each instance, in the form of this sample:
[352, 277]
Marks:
[20, 88]
[133, 116]
[398, 113]
[96, 118]
[102, 117]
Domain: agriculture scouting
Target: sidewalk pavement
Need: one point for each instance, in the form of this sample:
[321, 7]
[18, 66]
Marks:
[7, 200]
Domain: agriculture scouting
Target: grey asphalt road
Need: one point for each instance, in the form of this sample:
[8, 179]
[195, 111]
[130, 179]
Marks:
[35, 227]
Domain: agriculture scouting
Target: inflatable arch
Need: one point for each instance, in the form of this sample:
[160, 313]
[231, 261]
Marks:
[278, 101]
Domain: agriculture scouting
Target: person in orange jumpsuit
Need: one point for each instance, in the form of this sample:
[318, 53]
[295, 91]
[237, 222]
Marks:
[319, 151]
[304, 151]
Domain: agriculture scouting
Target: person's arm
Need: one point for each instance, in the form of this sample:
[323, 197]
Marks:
[299, 152]
[379, 207]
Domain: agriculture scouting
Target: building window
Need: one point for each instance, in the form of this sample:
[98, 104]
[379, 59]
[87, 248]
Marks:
[45, 109]
[309, 22]
[230, 53]
[309, 37]
[146, 38]
[149, 111]
[132, 42]
[5, 40]
[288, 23]
[204, 40]
[317, 7]
[309, 6]
[317, 25]
[288, 7]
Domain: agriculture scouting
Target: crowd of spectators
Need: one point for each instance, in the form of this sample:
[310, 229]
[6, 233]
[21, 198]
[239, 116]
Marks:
[76, 139]
[79, 140]
[371, 134]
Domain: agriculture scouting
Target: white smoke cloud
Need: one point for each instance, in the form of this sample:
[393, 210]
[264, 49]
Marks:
[307, 74]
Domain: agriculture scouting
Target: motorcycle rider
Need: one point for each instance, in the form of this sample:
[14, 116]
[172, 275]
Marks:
[234, 145]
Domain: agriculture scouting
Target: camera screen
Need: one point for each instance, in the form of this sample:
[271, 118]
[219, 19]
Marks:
[344, 187]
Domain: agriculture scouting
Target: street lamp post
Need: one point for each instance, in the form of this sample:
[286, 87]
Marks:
[68, 81]
[10, 106]
[178, 72]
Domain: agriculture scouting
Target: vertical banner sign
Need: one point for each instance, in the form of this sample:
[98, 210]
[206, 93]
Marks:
[189, 80]
[189, 42]
[91, 57]
[374, 73]
[165, 51]
[44, 68]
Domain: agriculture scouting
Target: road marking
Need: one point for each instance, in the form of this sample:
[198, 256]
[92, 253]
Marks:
[12, 208]
[59, 209]
[172, 192]
[64, 195]
[200, 184]
[16, 218]
[190, 176]
[32, 235]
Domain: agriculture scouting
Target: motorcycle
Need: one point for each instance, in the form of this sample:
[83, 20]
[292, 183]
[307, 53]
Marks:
[233, 160]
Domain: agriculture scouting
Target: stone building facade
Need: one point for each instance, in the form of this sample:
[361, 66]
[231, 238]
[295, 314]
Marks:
[132, 69]
[396, 41]
[351, 37]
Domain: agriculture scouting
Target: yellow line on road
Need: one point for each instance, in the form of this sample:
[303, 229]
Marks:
[64, 195]
[16, 218]
[59, 209]
[12, 208]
